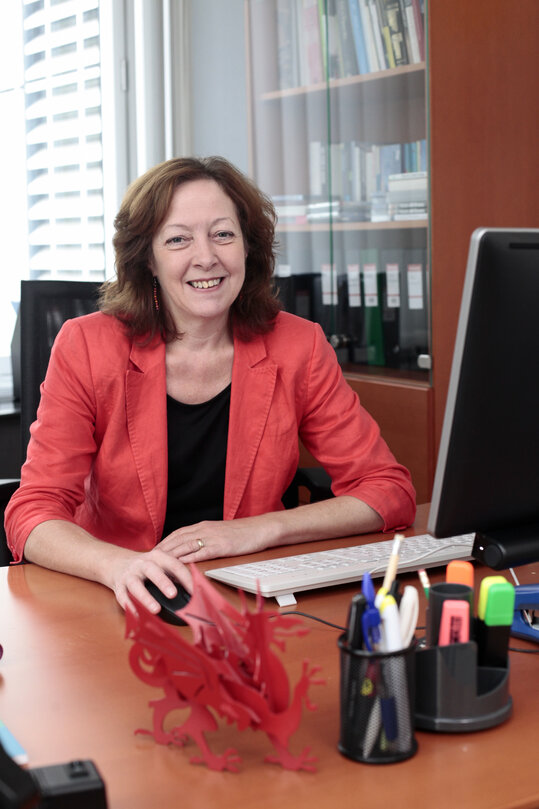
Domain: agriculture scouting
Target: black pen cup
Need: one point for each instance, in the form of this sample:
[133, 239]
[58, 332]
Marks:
[377, 704]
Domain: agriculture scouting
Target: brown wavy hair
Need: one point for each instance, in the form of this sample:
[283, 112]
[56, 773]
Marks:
[129, 297]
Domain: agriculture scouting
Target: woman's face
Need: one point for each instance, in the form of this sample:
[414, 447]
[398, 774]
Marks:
[199, 255]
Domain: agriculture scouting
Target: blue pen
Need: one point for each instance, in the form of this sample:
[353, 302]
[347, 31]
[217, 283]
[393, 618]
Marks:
[371, 617]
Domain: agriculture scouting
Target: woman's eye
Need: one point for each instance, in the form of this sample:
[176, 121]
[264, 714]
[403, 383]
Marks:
[176, 240]
[224, 234]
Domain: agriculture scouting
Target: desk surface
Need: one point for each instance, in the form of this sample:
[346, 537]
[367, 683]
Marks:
[67, 692]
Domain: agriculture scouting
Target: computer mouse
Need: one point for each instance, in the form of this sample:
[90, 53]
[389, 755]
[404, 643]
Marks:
[169, 605]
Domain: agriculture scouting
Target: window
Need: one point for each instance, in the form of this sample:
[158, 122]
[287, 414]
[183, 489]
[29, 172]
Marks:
[54, 201]
[94, 93]
[64, 169]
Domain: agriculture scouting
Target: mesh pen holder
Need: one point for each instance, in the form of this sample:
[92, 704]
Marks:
[377, 702]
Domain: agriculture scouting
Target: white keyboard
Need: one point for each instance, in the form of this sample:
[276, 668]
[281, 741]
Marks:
[285, 576]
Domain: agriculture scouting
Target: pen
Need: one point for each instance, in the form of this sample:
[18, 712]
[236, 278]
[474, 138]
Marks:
[12, 747]
[408, 612]
[354, 632]
[396, 675]
[371, 616]
[391, 632]
[425, 582]
[391, 570]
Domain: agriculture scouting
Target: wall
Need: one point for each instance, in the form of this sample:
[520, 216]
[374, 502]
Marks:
[219, 95]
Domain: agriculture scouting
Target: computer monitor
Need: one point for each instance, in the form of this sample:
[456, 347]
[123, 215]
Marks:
[487, 473]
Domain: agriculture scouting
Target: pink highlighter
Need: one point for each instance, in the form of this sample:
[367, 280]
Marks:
[454, 623]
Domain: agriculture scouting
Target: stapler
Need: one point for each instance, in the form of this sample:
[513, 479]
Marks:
[525, 623]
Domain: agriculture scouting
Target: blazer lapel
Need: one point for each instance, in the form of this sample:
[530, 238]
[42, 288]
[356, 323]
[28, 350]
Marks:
[145, 386]
[253, 384]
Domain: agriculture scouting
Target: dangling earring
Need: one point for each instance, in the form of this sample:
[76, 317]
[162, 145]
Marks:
[155, 298]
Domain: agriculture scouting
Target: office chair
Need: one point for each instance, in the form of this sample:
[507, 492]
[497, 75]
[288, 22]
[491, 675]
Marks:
[44, 307]
[313, 478]
[7, 487]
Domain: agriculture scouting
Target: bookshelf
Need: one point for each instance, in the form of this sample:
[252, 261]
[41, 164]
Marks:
[337, 142]
[477, 89]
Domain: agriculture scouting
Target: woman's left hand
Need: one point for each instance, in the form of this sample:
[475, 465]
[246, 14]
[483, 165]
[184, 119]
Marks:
[336, 517]
[213, 539]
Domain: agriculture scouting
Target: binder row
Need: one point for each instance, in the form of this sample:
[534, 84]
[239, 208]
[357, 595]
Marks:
[373, 306]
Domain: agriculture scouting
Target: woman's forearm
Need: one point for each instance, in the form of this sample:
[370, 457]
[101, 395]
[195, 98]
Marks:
[327, 519]
[63, 546]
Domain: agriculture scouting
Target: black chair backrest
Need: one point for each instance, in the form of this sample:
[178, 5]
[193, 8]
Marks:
[44, 307]
[7, 487]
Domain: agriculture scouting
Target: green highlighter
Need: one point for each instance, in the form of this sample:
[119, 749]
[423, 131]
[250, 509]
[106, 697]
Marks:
[495, 612]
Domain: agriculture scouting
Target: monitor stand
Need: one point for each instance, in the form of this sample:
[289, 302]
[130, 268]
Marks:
[507, 547]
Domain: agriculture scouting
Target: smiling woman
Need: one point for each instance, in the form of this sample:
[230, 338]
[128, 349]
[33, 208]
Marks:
[169, 421]
[199, 258]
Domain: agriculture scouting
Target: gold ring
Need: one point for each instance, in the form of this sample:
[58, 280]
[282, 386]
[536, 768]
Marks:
[200, 544]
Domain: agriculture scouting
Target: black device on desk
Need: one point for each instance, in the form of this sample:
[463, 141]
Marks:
[487, 475]
[76, 783]
[169, 606]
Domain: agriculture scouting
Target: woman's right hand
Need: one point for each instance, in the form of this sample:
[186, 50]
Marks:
[130, 573]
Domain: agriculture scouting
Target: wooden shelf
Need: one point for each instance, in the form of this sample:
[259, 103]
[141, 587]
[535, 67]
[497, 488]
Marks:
[405, 80]
[409, 224]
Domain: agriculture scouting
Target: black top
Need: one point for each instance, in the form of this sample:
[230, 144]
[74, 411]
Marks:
[197, 439]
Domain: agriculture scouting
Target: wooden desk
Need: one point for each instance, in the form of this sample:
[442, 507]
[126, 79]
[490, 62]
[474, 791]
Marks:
[67, 692]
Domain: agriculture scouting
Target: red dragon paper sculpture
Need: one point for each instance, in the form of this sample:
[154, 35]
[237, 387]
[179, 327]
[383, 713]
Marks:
[229, 668]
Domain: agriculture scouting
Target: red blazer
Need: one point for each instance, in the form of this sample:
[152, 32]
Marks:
[98, 449]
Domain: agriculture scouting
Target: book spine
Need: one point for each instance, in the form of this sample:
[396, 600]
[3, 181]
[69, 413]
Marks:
[419, 26]
[386, 34]
[288, 51]
[412, 40]
[372, 56]
[359, 39]
[346, 37]
[397, 32]
[312, 42]
[377, 33]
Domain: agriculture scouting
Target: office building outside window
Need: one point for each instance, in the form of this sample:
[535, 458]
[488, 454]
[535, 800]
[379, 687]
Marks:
[62, 99]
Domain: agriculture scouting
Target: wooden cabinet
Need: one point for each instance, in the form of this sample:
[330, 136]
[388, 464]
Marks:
[484, 146]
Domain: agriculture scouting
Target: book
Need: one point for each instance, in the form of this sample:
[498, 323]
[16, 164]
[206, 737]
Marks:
[414, 317]
[386, 34]
[390, 163]
[348, 49]
[358, 35]
[368, 35]
[329, 24]
[373, 332]
[412, 39]
[419, 27]
[372, 6]
[312, 42]
[287, 45]
[396, 31]
[407, 180]
[356, 311]
[391, 273]
[317, 168]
